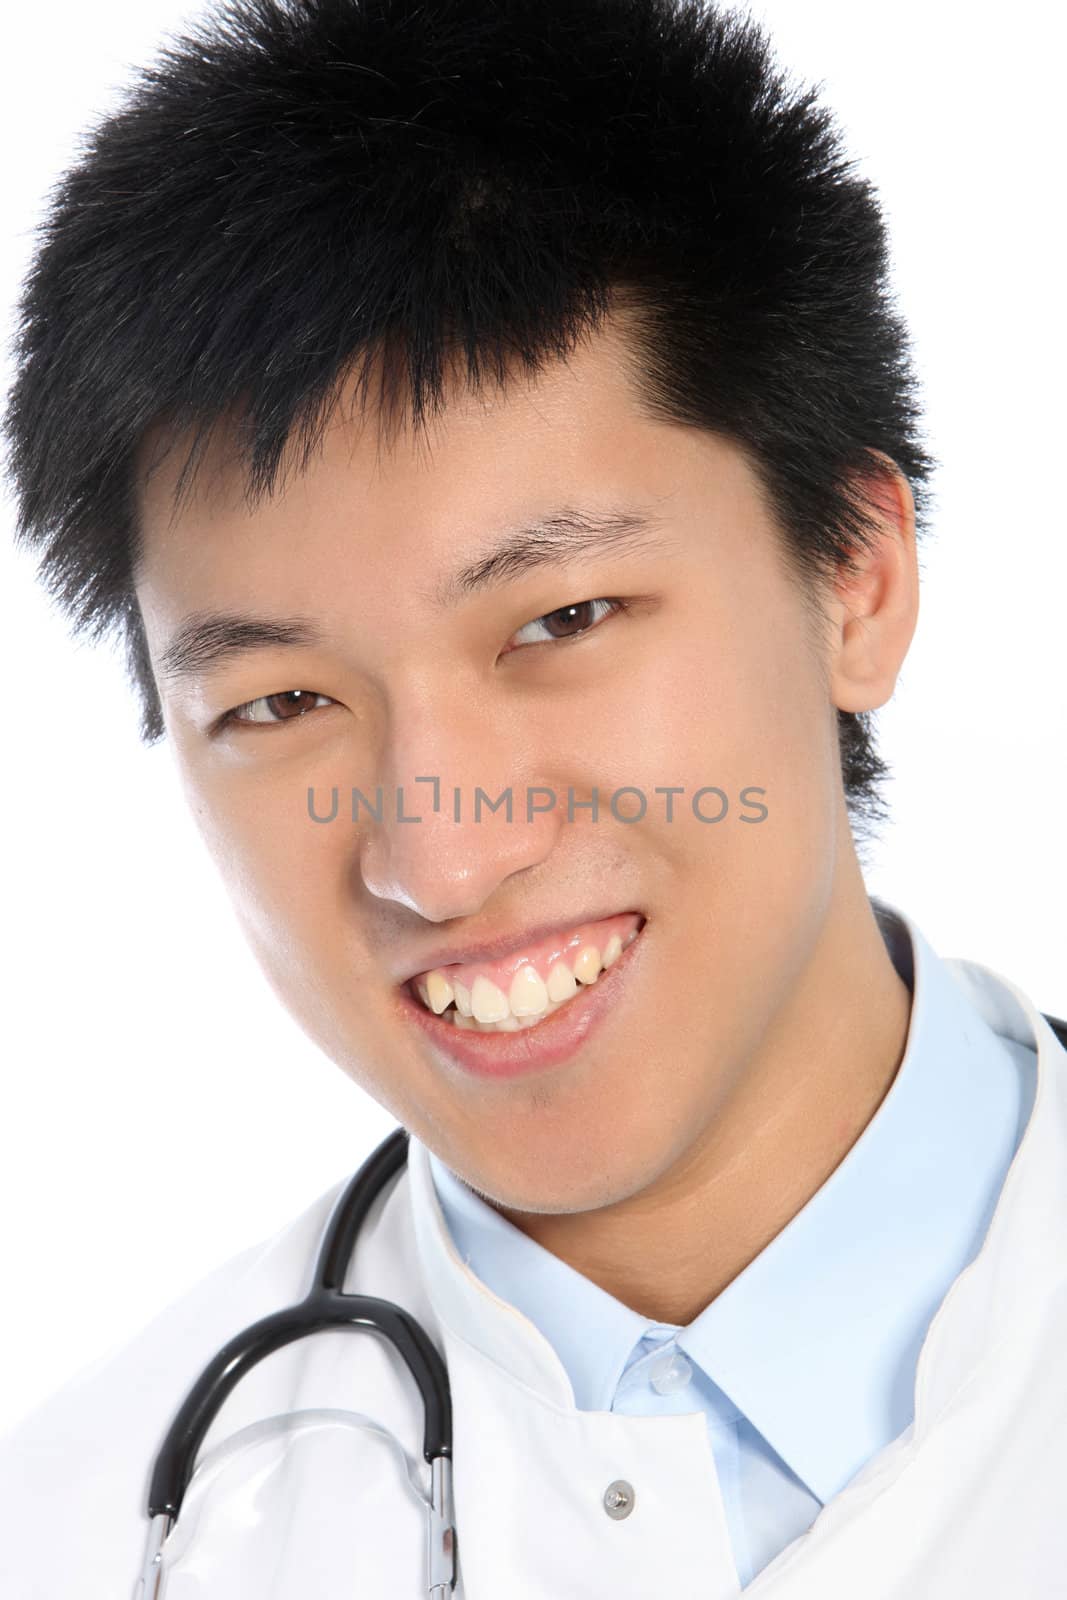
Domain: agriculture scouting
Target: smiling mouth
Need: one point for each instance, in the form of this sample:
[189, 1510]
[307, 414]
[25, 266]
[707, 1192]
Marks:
[538, 988]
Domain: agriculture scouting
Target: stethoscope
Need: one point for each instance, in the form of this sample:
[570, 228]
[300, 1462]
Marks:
[325, 1306]
[328, 1306]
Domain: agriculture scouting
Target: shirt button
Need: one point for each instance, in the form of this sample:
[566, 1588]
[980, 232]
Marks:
[670, 1372]
[619, 1499]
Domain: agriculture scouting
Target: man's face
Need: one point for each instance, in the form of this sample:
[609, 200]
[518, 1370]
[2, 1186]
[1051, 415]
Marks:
[709, 676]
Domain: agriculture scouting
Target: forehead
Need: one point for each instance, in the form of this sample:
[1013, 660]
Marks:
[367, 436]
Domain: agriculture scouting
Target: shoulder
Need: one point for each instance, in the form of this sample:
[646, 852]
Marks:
[74, 1473]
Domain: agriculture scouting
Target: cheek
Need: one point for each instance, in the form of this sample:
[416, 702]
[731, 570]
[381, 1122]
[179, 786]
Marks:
[781, 869]
[743, 707]
[284, 873]
[728, 704]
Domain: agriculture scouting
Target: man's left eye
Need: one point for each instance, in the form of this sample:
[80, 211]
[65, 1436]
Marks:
[284, 707]
[568, 622]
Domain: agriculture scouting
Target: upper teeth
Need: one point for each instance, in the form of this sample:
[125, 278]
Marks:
[529, 995]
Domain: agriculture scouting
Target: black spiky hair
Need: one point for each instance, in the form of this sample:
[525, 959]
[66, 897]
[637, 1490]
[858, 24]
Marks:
[295, 187]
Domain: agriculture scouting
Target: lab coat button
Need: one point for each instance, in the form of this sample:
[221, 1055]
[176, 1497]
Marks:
[670, 1372]
[619, 1499]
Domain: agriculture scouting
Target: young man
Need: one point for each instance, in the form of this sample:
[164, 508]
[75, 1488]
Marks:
[488, 427]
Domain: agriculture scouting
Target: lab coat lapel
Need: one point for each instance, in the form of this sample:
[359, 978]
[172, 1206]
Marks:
[970, 1503]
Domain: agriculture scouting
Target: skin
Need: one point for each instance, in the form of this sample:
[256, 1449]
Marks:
[762, 1021]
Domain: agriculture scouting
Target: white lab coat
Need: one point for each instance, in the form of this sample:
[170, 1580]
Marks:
[970, 1503]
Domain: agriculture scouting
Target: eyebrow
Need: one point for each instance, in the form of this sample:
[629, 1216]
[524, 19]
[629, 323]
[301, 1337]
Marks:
[567, 535]
[207, 640]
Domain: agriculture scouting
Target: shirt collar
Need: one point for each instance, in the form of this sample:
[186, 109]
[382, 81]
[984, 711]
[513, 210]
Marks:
[857, 1274]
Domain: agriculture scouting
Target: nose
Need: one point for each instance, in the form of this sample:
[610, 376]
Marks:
[455, 779]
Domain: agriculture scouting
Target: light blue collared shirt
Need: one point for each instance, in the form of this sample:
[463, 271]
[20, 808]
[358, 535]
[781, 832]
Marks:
[805, 1363]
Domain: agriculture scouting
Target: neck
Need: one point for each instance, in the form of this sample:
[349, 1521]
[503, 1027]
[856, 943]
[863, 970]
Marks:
[824, 1067]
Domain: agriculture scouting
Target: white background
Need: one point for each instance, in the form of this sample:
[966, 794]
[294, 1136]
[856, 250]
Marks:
[160, 1110]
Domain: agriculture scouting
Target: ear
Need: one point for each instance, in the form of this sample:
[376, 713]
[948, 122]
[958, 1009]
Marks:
[874, 608]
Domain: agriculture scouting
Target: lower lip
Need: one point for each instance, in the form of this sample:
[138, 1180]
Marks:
[547, 1044]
